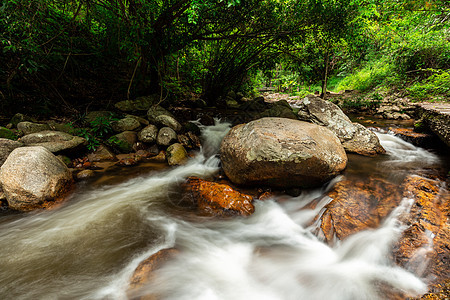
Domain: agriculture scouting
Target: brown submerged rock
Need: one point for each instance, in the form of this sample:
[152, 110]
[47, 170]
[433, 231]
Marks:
[358, 206]
[425, 244]
[418, 139]
[219, 199]
[144, 273]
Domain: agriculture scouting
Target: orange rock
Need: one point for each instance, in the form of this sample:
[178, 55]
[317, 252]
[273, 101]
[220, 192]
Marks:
[144, 272]
[219, 199]
[358, 206]
[428, 234]
[415, 138]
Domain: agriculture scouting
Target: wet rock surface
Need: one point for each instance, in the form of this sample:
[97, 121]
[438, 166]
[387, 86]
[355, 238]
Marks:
[425, 245]
[218, 199]
[417, 139]
[281, 152]
[357, 205]
[144, 273]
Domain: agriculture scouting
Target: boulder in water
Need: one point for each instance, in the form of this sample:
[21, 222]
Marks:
[169, 121]
[281, 152]
[353, 136]
[145, 273]
[219, 199]
[32, 177]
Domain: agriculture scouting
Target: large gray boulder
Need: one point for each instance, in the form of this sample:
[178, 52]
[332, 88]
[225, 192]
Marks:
[6, 147]
[33, 176]
[353, 136]
[55, 141]
[281, 152]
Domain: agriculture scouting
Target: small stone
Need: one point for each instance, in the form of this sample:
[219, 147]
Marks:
[169, 121]
[85, 174]
[102, 153]
[166, 136]
[148, 134]
[124, 141]
[176, 154]
[126, 124]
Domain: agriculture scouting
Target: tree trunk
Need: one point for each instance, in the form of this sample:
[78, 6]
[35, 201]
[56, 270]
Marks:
[325, 76]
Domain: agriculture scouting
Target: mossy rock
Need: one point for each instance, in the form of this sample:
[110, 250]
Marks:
[5, 133]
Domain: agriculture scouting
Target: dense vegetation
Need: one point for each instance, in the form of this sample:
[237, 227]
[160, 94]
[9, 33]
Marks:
[66, 56]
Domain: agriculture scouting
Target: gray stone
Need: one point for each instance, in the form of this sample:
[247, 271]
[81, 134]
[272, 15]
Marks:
[281, 152]
[139, 104]
[29, 127]
[6, 147]
[353, 136]
[143, 121]
[166, 136]
[126, 124]
[55, 141]
[33, 176]
[123, 142]
[102, 153]
[168, 121]
[176, 154]
[156, 111]
[148, 134]
[19, 118]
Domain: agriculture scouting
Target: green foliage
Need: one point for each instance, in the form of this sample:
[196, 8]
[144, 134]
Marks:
[371, 76]
[101, 126]
[435, 86]
[7, 134]
[99, 129]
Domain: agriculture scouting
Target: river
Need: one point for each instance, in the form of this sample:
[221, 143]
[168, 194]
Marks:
[89, 247]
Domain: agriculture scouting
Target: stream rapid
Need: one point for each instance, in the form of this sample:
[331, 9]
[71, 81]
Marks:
[90, 247]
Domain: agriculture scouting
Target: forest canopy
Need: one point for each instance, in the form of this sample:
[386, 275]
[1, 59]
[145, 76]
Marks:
[58, 54]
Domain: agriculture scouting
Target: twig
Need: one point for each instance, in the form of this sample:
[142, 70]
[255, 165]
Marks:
[132, 78]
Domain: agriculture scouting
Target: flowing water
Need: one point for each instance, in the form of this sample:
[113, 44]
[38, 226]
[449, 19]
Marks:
[89, 248]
